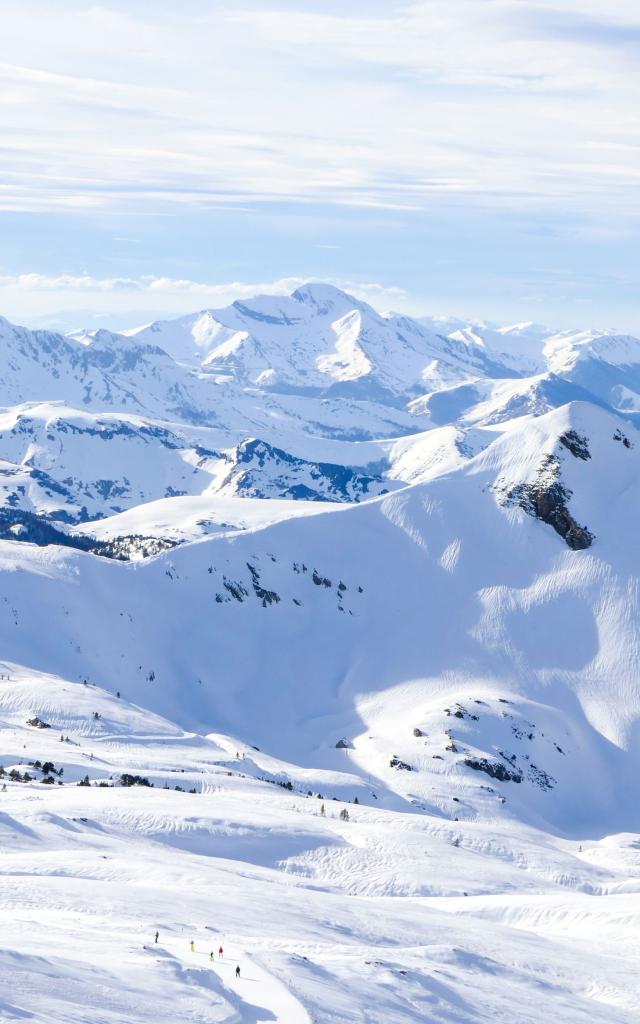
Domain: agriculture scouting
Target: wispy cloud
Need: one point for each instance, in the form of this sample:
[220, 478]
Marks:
[170, 294]
[509, 101]
[153, 283]
[435, 143]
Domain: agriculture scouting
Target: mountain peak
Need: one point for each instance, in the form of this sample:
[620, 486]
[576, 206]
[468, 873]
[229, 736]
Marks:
[325, 298]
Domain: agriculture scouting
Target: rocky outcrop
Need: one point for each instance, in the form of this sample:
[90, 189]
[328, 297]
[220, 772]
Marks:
[576, 443]
[266, 596]
[550, 505]
[494, 769]
[261, 470]
[619, 436]
[547, 499]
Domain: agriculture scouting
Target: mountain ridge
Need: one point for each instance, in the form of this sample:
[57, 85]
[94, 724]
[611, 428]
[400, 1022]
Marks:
[319, 642]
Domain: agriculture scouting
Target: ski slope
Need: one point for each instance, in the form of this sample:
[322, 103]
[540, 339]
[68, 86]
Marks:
[320, 914]
[328, 920]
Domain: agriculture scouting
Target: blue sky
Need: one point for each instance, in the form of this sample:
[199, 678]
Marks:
[473, 157]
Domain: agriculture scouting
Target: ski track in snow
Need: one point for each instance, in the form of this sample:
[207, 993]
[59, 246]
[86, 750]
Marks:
[259, 995]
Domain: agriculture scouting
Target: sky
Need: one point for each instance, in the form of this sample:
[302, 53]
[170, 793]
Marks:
[477, 158]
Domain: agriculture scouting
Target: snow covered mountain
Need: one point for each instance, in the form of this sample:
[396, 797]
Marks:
[320, 340]
[334, 616]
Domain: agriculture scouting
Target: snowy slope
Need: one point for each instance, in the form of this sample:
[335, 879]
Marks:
[519, 346]
[72, 465]
[328, 920]
[469, 563]
[111, 372]
[371, 663]
[607, 364]
[318, 339]
[260, 469]
[82, 465]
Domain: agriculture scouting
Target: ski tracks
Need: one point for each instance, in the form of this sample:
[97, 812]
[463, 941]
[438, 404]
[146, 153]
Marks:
[257, 996]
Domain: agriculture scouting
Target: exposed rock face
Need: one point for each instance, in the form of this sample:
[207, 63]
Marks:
[547, 499]
[261, 470]
[493, 769]
[266, 596]
[576, 443]
[550, 505]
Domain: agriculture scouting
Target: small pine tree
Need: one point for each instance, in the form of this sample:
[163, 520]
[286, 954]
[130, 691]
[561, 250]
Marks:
[134, 780]
[355, 800]
[344, 814]
[322, 811]
[85, 781]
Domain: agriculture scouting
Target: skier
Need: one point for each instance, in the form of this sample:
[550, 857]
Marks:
[211, 956]
[220, 953]
[238, 971]
[157, 936]
[193, 946]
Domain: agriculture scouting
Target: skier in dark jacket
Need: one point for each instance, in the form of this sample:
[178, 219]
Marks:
[157, 936]
[238, 971]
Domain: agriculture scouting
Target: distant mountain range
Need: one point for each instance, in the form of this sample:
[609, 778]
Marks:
[374, 504]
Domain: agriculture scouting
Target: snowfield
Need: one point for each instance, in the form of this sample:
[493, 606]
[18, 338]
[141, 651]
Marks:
[319, 643]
